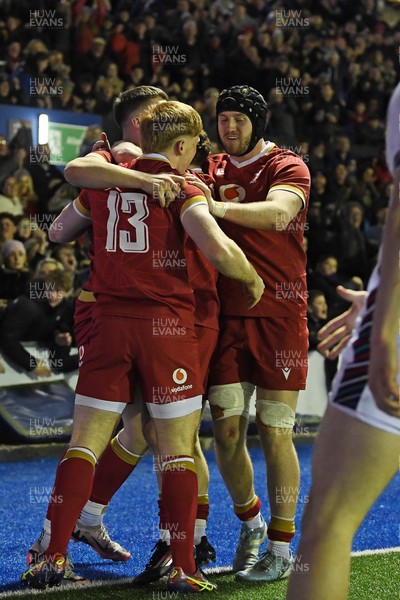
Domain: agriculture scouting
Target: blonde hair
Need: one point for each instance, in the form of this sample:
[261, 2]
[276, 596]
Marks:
[165, 122]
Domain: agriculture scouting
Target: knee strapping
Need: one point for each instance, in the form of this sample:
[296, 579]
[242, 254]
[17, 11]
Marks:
[232, 399]
[275, 414]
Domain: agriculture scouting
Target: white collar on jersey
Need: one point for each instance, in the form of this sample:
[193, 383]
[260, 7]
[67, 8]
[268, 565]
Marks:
[155, 156]
[240, 165]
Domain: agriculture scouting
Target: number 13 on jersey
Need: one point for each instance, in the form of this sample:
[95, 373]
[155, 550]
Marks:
[126, 202]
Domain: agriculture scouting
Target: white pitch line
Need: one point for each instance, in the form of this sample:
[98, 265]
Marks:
[377, 551]
[127, 580]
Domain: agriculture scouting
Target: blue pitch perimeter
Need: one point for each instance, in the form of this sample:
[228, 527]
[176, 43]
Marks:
[132, 516]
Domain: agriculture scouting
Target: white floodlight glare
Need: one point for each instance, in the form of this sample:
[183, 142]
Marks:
[43, 134]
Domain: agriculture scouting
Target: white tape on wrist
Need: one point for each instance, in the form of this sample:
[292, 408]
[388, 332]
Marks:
[219, 209]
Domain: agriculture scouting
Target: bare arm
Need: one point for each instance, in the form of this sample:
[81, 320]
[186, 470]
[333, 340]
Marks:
[68, 226]
[221, 251]
[93, 171]
[385, 329]
[274, 213]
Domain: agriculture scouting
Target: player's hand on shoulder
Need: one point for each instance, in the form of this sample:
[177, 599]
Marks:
[207, 191]
[102, 143]
[164, 187]
[336, 333]
[254, 291]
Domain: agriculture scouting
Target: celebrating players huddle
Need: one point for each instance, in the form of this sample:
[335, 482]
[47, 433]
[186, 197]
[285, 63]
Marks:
[248, 231]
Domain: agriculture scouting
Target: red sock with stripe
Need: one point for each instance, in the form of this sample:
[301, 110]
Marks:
[249, 512]
[114, 468]
[72, 487]
[281, 529]
[179, 495]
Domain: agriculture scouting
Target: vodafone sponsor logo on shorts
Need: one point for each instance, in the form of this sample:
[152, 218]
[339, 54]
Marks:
[180, 377]
[166, 395]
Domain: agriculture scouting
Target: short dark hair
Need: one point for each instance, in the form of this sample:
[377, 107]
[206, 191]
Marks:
[203, 149]
[10, 216]
[131, 100]
[312, 294]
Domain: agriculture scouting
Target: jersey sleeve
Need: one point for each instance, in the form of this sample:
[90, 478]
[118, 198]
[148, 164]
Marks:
[128, 165]
[104, 154]
[191, 196]
[292, 175]
[82, 204]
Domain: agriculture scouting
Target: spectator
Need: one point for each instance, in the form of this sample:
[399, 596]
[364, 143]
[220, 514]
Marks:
[9, 200]
[65, 254]
[47, 319]
[14, 272]
[317, 316]
[104, 99]
[209, 116]
[192, 47]
[366, 192]
[111, 77]
[244, 60]
[13, 58]
[46, 177]
[47, 266]
[372, 134]
[340, 188]
[326, 114]
[94, 61]
[27, 194]
[36, 245]
[342, 154]
[326, 278]
[24, 229]
[216, 60]
[8, 94]
[84, 92]
[373, 234]
[282, 118]
[352, 253]
[8, 227]
[319, 160]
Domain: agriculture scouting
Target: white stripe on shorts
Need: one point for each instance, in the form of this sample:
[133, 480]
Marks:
[172, 410]
[116, 407]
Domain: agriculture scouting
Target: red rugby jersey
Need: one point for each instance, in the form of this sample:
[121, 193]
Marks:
[202, 277]
[139, 265]
[278, 256]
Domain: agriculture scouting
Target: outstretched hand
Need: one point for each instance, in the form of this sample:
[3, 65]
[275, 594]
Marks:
[335, 335]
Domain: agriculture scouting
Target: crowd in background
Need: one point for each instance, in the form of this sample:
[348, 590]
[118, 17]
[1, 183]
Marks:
[327, 69]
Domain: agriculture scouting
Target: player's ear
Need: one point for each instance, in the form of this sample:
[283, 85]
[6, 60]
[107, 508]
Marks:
[179, 147]
[135, 121]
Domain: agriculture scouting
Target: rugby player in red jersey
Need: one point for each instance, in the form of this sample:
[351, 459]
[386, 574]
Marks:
[128, 227]
[262, 193]
[127, 447]
[128, 108]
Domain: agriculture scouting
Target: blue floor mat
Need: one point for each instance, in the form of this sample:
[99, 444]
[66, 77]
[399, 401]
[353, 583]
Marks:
[132, 516]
